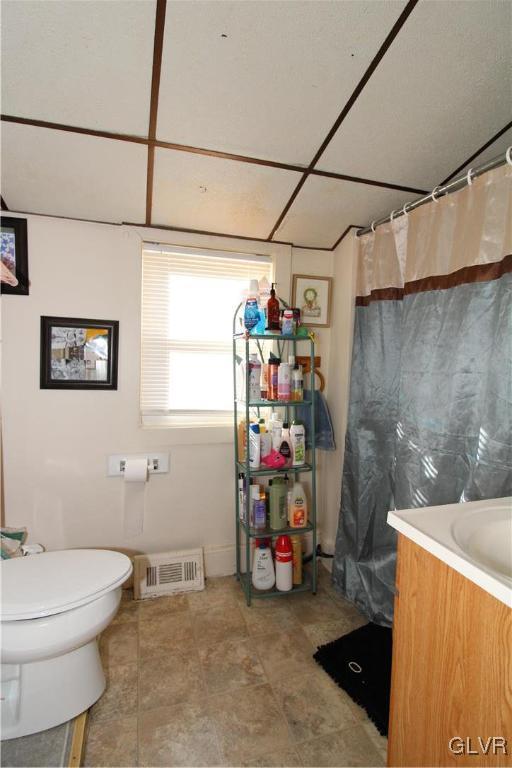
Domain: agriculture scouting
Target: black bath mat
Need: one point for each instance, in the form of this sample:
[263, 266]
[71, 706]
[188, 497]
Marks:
[360, 663]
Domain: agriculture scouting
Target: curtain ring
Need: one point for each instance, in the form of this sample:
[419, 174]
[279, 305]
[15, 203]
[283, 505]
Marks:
[508, 155]
[372, 226]
[433, 194]
[468, 177]
[392, 215]
[404, 209]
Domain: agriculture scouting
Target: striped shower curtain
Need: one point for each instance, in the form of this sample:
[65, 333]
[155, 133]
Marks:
[430, 407]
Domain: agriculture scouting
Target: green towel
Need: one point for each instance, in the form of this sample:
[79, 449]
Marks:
[11, 541]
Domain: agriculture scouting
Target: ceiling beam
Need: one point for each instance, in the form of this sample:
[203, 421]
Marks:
[161, 7]
[348, 106]
[343, 234]
[478, 152]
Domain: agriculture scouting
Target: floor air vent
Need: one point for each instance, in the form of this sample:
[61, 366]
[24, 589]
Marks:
[166, 573]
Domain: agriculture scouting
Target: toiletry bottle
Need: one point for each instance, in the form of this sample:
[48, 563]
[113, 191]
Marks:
[273, 374]
[273, 311]
[288, 327]
[298, 441]
[254, 377]
[251, 311]
[291, 362]
[285, 446]
[297, 383]
[264, 382]
[241, 496]
[265, 440]
[254, 446]
[277, 503]
[284, 564]
[297, 559]
[298, 512]
[284, 382]
[276, 431]
[259, 510]
[263, 576]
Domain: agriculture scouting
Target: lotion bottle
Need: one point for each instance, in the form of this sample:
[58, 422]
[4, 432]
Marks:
[263, 576]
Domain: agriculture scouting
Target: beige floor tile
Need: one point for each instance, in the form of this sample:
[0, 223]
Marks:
[312, 706]
[314, 609]
[380, 742]
[327, 631]
[266, 616]
[160, 607]
[224, 598]
[182, 735]
[112, 744]
[348, 747]
[281, 758]
[120, 696]
[248, 723]
[119, 644]
[214, 625]
[170, 679]
[168, 634]
[231, 664]
[285, 653]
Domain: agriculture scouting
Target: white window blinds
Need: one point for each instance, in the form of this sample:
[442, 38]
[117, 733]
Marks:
[189, 296]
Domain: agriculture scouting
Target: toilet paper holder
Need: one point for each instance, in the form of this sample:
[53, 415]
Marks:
[158, 463]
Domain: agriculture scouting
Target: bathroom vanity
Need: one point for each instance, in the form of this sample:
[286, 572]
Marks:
[451, 691]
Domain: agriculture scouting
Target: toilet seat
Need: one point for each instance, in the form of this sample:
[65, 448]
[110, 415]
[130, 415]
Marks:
[53, 582]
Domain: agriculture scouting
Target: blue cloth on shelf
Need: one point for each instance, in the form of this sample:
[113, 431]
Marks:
[324, 430]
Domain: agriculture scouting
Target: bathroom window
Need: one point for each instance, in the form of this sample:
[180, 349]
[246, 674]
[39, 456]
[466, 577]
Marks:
[189, 296]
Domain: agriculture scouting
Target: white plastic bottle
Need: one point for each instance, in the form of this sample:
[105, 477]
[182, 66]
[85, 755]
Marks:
[254, 377]
[254, 446]
[298, 441]
[263, 575]
[298, 508]
[276, 430]
[265, 441]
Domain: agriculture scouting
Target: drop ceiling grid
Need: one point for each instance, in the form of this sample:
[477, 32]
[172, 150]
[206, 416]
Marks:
[214, 195]
[326, 207]
[80, 63]
[261, 79]
[441, 90]
[72, 175]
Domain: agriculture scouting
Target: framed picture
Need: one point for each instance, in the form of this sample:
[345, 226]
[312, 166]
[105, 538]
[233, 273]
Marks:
[78, 353]
[14, 252]
[313, 297]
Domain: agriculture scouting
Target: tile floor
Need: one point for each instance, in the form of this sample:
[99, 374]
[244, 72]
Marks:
[203, 680]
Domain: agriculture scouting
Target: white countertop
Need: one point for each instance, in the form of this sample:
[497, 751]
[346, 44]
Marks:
[432, 528]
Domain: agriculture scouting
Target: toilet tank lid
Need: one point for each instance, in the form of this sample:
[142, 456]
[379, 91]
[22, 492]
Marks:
[54, 582]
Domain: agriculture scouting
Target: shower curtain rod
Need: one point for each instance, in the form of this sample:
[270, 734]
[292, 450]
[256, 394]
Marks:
[438, 192]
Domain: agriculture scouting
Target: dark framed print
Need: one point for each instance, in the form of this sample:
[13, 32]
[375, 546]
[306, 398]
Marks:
[14, 252]
[78, 354]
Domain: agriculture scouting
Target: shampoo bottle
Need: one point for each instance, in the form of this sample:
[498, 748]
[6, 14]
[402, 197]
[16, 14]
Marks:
[284, 382]
[259, 508]
[298, 512]
[254, 446]
[298, 441]
[263, 576]
[254, 377]
[278, 493]
[285, 446]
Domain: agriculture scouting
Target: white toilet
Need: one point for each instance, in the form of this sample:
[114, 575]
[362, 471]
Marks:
[54, 605]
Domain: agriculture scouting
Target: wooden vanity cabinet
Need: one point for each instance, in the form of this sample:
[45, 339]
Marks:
[452, 667]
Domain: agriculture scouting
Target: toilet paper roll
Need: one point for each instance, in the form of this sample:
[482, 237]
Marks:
[135, 479]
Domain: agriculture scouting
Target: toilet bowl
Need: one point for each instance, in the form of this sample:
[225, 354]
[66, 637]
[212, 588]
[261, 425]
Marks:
[54, 605]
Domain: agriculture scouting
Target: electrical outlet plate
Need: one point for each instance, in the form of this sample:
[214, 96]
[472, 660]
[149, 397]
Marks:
[158, 463]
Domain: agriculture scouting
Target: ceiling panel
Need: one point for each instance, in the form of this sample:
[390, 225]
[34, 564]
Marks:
[265, 79]
[441, 91]
[68, 174]
[498, 147]
[86, 63]
[325, 207]
[197, 192]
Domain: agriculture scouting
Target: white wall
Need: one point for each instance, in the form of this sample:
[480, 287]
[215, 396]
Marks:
[338, 381]
[56, 441]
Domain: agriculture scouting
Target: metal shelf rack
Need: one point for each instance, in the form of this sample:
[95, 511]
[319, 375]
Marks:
[242, 343]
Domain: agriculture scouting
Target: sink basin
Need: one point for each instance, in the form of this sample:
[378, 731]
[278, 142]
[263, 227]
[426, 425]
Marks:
[486, 536]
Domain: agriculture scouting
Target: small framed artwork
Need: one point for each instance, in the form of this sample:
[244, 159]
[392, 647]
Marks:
[312, 295]
[14, 252]
[78, 353]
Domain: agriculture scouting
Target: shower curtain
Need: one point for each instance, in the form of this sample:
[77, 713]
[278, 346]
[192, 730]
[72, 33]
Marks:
[430, 411]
